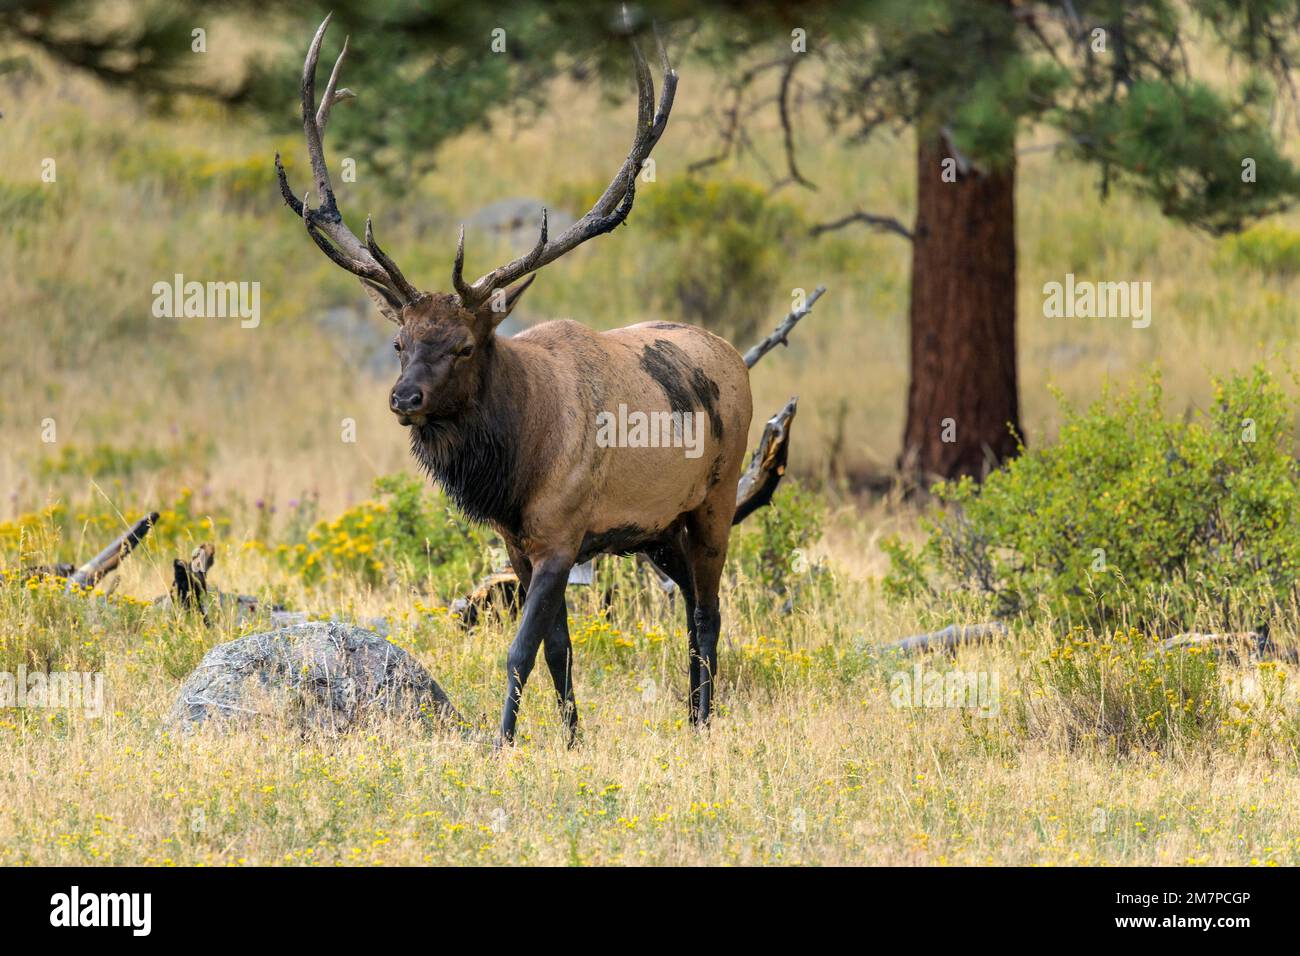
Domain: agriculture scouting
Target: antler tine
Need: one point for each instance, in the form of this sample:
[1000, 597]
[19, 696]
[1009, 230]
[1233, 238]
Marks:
[609, 210]
[315, 150]
[289, 198]
[325, 224]
[332, 95]
[388, 265]
[458, 269]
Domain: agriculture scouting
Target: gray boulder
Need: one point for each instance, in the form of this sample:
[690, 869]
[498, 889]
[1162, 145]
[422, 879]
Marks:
[322, 675]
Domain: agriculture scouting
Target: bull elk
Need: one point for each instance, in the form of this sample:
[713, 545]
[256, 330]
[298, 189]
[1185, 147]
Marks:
[508, 426]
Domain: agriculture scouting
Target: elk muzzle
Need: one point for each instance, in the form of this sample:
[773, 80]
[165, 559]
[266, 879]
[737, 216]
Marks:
[407, 401]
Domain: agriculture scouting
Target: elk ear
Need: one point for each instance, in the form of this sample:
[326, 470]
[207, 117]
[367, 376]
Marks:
[385, 300]
[502, 301]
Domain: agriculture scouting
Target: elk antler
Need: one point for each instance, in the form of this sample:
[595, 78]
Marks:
[608, 212]
[367, 261]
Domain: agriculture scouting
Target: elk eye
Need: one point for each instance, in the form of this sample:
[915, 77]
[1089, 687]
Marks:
[397, 346]
[465, 351]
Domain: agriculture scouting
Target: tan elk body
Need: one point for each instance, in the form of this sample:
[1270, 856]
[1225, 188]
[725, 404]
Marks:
[511, 427]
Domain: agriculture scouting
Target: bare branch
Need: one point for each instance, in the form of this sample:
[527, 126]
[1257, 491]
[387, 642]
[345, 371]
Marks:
[882, 223]
[787, 129]
[731, 127]
[90, 573]
[781, 335]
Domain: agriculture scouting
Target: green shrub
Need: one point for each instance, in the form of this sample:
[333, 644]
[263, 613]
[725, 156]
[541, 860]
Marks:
[1270, 249]
[409, 529]
[718, 248]
[1129, 516]
[187, 172]
[771, 547]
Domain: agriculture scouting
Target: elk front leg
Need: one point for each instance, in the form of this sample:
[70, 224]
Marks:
[544, 600]
[559, 660]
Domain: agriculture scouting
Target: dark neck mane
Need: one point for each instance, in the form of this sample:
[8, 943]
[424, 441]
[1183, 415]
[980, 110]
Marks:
[474, 457]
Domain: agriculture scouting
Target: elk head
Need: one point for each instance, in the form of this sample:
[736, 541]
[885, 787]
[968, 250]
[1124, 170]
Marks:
[445, 340]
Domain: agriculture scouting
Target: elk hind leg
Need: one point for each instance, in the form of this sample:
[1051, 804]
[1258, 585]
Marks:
[559, 660]
[671, 557]
[708, 530]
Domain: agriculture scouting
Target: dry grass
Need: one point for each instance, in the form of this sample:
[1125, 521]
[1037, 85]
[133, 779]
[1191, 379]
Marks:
[809, 762]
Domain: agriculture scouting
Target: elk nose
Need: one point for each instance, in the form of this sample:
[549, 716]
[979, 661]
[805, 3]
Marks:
[406, 398]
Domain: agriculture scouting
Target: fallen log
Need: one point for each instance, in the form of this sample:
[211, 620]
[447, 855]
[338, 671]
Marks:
[1234, 647]
[191, 591]
[948, 639]
[102, 564]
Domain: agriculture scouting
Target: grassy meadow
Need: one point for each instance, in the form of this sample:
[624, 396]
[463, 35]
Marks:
[237, 436]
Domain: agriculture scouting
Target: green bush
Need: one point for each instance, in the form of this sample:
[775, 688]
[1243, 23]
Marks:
[1129, 516]
[718, 248]
[1268, 248]
[771, 547]
[408, 529]
[103, 460]
[187, 172]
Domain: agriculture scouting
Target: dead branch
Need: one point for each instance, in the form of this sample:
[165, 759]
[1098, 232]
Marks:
[879, 223]
[93, 571]
[731, 134]
[781, 335]
[1234, 647]
[190, 580]
[767, 466]
[787, 128]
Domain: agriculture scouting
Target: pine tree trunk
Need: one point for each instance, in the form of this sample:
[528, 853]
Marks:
[963, 392]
